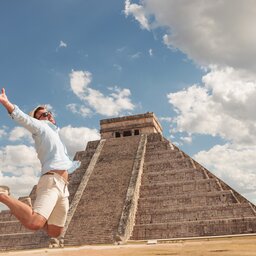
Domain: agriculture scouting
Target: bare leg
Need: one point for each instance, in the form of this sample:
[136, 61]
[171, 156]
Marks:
[28, 218]
[23, 213]
[53, 230]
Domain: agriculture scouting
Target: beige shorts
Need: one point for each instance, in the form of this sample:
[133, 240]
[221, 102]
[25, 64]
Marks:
[52, 199]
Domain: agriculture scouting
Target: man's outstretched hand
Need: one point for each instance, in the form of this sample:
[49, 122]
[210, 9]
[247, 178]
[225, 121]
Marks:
[5, 102]
[3, 97]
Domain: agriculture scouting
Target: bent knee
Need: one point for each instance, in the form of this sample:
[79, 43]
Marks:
[54, 231]
[37, 222]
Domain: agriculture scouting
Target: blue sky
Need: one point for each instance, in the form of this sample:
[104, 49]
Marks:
[190, 64]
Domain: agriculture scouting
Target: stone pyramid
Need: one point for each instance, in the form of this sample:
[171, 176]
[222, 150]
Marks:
[134, 184]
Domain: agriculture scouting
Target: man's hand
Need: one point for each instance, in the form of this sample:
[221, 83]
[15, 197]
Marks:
[5, 102]
[3, 97]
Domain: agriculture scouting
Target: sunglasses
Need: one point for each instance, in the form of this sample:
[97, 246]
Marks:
[45, 114]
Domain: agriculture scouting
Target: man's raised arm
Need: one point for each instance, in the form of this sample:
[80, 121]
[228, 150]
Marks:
[5, 102]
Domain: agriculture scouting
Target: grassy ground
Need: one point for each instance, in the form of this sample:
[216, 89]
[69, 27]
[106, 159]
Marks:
[233, 246]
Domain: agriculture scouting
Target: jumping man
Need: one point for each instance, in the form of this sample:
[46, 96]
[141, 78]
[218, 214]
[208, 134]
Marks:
[51, 205]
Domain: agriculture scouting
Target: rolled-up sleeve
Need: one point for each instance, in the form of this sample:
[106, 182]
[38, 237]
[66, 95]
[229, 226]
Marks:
[31, 124]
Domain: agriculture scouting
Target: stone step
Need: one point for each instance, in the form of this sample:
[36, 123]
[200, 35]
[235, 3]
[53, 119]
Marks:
[156, 138]
[159, 145]
[12, 227]
[192, 213]
[95, 230]
[171, 175]
[175, 164]
[161, 155]
[98, 211]
[169, 188]
[83, 156]
[198, 228]
[197, 198]
[22, 241]
[6, 215]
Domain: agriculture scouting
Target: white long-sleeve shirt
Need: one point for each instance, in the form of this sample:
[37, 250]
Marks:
[51, 152]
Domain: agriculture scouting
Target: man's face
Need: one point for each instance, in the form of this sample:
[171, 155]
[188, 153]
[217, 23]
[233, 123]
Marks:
[44, 114]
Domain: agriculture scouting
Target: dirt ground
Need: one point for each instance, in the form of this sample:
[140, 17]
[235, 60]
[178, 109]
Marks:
[233, 246]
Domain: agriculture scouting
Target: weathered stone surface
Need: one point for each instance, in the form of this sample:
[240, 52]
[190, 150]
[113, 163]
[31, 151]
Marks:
[130, 125]
[99, 210]
[180, 198]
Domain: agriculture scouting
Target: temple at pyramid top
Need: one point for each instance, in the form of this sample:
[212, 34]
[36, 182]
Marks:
[130, 126]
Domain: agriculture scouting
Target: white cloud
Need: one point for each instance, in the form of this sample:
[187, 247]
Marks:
[186, 139]
[228, 163]
[135, 55]
[19, 186]
[220, 37]
[79, 80]
[19, 169]
[19, 133]
[18, 160]
[113, 104]
[150, 51]
[118, 67]
[3, 132]
[165, 119]
[224, 106]
[62, 44]
[138, 12]
[76, 138]
[209, 32]
[77, 109]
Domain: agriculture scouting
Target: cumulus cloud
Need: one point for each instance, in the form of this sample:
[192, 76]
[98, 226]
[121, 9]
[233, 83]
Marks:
[19, 133]
[76, 138]
[78, 109]
[138, 12]
[228, 163]
[223, 105]
[219, 37]
[79, 81]
[113, 104]
[3, 132]
[209, 32]
[19, 169]
[19, 186]
[18, 160]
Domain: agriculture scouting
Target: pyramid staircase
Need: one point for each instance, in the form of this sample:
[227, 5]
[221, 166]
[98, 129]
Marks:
[180, 198]
[139, 187]
[99, 209]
